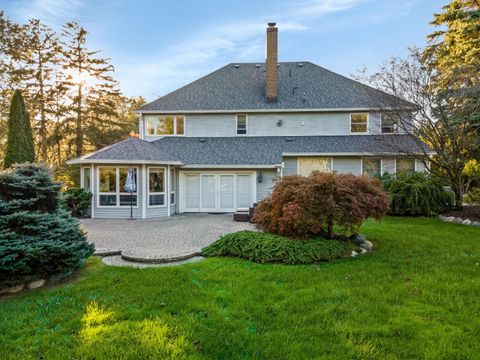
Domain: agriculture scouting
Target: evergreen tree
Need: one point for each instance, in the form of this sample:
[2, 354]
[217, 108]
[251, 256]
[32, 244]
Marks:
[20, 147]
[454, 49]
[93, 91]
[37, 236]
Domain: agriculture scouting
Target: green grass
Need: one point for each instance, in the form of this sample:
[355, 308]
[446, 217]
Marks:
[416, 296]
[269, 248]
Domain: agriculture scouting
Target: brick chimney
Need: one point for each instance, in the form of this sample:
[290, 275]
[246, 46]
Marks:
[271, 63]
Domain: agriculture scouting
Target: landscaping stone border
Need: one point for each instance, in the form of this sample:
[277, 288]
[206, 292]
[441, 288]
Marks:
[117, 260]
[457, 220]
[365, 246]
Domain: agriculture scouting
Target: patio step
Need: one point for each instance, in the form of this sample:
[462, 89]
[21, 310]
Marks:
[157, 256]
[241, 216]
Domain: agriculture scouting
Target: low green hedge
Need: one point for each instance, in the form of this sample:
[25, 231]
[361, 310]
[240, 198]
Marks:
[269, 248]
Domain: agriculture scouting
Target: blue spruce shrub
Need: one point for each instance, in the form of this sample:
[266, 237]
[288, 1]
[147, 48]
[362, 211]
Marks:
[38, 237]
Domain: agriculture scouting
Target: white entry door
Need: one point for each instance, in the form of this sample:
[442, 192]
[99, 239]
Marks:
[216, 192]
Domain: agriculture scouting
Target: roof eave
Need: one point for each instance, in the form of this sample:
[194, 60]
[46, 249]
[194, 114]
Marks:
[80, 161]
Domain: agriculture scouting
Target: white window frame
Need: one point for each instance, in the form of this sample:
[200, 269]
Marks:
[165, 192]
[236, 124]
[117, 193]
[350, 123]
[146, 118]
[308, 157]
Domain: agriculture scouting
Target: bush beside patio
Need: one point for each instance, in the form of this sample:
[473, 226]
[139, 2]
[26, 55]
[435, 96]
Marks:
[269, 248]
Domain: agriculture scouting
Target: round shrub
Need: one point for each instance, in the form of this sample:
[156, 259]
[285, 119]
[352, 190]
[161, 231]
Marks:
[302, 206]
[37, 236]
[417, 194]
[77, 201]
[269, 248]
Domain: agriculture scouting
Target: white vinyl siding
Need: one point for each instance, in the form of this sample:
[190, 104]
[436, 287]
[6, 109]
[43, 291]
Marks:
[271, 124]
[268, 181]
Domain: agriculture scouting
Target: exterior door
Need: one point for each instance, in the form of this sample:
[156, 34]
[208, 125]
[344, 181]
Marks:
[217, 192]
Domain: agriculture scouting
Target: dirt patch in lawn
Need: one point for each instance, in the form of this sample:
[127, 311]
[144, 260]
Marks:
[471, 212]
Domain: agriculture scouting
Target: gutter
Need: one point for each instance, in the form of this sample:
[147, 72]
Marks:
[117, 161]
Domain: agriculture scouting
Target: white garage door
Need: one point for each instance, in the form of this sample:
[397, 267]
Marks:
[216, 192]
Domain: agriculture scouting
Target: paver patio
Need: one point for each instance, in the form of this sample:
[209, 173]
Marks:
[160, 240]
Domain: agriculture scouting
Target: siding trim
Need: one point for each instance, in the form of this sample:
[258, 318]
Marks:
[259, 111]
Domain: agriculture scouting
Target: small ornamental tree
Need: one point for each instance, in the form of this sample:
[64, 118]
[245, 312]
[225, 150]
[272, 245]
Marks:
[37, 236]
[20, 147]
[303, 206]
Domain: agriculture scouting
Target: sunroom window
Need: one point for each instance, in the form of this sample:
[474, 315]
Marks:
[112, 187]
[156, 186]
[173, 186]
[358, 123]
[306, 165]
[161, 125]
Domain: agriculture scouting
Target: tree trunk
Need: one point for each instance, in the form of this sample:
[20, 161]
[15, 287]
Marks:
[458, 190]
[78, 130]
[43, 120]
[330, 229]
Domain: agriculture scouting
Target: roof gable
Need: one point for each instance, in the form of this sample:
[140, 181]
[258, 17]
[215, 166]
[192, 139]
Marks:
[302, 86]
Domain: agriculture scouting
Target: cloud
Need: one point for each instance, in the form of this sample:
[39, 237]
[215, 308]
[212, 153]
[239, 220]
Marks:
[205, 51]
[52, 12]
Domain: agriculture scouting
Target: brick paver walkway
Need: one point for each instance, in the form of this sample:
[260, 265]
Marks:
[153, 239]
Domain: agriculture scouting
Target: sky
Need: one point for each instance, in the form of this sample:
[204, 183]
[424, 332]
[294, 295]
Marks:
[157, 46]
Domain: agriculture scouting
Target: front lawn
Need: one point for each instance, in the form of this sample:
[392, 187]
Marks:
[416, 296]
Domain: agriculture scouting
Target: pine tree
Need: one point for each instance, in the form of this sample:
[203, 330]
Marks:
[20, 147]
[37, 236]
[454, 49]
[92, 89]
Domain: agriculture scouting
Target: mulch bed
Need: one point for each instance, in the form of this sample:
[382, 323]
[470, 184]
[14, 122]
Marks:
[469, 212]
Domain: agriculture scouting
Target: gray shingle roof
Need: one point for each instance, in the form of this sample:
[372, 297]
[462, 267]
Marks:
[242, 87]
[250, 150]
[130, 149]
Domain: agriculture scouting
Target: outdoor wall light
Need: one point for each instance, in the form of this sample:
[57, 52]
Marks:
[260, 177]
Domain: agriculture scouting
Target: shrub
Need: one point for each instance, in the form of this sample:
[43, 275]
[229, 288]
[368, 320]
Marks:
[37, 237]
[473, 196]
[416, 194]
[77, 201]
[269, 248]
[301, 206]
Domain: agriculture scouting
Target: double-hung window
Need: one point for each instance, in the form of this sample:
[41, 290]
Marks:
[111, 182]
[156, 186]
[359, 123]
[389, 123]
[371, 166]
[241, 124]
[164, 125]
[306, 165]
[405, 165]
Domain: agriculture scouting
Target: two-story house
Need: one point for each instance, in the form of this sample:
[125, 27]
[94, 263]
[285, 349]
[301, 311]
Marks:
[218, 143]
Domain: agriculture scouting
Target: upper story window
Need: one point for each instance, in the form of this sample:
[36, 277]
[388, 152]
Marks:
[241, 124]
[389, 123]
[306, 165]
[359, 123]
[164, 125]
